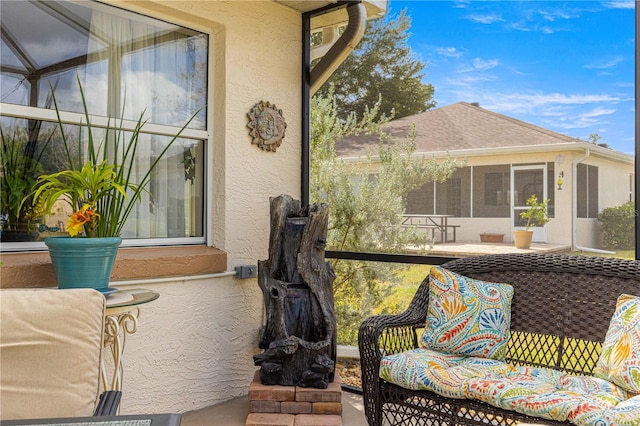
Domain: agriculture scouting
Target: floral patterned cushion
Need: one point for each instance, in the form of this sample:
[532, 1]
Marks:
[467, 316]
[619, 361]
[548, 393]
[627, 413]
[445, 374]
[539, 392]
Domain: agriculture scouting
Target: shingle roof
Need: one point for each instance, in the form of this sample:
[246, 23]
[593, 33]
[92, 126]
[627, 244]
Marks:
[457, 126]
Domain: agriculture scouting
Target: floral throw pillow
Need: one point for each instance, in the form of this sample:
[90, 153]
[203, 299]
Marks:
[619, 361]
[467, 316]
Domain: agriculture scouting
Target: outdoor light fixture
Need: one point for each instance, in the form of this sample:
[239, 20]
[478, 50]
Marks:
[559, 181]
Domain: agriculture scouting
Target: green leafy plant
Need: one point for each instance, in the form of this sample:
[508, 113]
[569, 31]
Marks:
[536, 214]
[617, 226]
[18, 172]
[100, 189]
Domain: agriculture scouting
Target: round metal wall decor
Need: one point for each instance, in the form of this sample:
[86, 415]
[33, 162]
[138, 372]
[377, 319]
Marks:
[267, 125]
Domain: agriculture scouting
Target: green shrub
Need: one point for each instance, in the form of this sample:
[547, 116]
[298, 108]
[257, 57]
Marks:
[618, 226]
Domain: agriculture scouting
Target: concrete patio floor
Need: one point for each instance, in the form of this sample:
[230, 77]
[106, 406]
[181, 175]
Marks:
[235, 411]
[475, 248]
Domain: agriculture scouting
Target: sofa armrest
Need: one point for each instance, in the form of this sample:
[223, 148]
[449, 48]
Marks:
[108, 404]
[384, 335]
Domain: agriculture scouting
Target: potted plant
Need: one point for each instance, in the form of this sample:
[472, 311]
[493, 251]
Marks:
[535, 215]
[102, 193]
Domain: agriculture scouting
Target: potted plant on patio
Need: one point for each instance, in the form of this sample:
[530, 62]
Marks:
[535, 215]
[100, 188]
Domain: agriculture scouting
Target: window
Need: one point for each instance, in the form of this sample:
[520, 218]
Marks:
[452, 196]
[587, 191]
[420, 201]
[492, 195]
[127, 64]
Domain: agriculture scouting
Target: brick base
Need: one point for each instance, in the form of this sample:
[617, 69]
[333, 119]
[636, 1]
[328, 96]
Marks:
[294, 405]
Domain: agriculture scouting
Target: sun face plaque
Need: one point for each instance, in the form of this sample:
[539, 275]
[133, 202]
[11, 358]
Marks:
[267, 126]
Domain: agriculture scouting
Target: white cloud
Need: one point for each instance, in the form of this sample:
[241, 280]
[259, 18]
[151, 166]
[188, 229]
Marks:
[605, 63]
[599, 111]
[450, 52]
[485, 19]
[620, 4]
[484, 64]
[550, 110]
[466, 81]
[541, 99]
[555, 14]
[479, 64]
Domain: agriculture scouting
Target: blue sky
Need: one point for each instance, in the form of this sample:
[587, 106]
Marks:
[567, 66]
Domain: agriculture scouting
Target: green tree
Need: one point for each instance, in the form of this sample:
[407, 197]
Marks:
[383, 66]
[367, 200]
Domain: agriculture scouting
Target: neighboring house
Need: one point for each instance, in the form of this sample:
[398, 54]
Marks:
[194, 346]
[507, 160]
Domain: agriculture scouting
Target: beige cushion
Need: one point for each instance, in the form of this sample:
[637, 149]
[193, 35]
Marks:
[50, 352]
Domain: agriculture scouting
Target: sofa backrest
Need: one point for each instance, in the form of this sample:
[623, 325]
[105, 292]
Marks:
[562, 304]
[51, 345]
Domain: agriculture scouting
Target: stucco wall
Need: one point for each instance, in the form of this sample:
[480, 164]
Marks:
[194, 345]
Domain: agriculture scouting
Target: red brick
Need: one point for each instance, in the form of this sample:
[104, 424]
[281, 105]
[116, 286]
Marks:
[270, 419]
[333, 393]
[265, 406]
[293, 407]
[317, 420]
[326, 408]
[260, 392]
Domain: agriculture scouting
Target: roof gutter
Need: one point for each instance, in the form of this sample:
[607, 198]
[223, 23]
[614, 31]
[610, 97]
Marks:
[492, 152]
[341, 48]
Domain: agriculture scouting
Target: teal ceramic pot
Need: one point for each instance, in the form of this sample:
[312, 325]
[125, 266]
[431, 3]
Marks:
[83, 262]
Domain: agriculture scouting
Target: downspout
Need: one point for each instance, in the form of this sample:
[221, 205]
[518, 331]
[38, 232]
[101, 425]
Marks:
[341, 48]
[574, 216]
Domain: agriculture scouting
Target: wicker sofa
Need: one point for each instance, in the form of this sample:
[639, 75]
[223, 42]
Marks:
[562, 303]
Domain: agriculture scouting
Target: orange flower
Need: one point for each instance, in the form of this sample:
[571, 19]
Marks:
[80, 218]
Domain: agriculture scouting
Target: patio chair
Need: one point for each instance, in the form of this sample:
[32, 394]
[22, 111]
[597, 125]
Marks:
[51, 344]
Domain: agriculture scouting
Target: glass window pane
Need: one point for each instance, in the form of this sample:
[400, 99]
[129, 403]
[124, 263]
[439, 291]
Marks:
[172, 208]
[129, 66]
[122, 59]
[453, 195]
[420, 201]
[492, 191]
